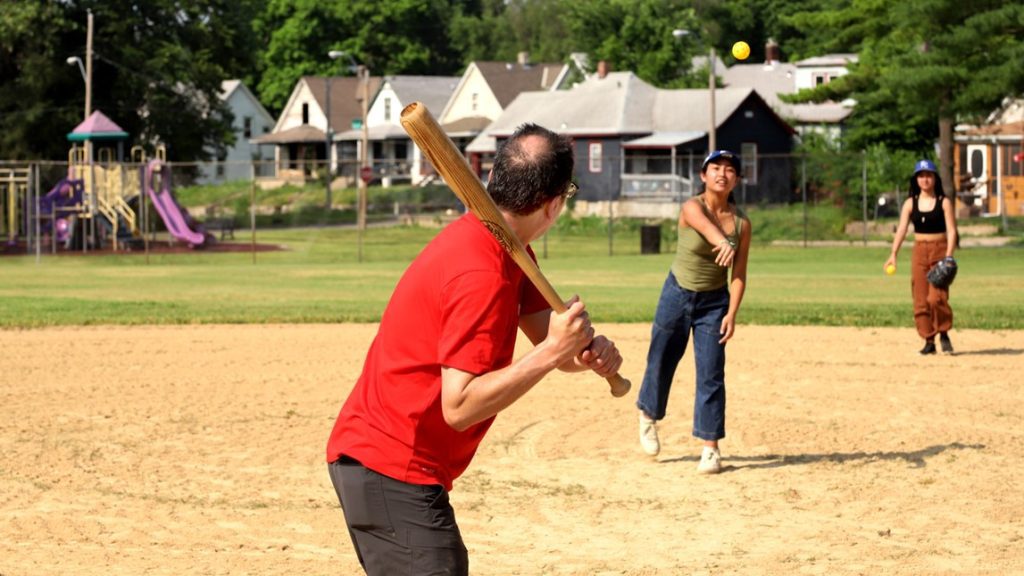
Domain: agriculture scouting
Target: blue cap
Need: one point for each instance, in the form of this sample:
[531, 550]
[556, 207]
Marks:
[924, 166]
[731, 157]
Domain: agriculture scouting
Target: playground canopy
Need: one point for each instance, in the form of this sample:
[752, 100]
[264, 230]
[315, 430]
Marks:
[97, 127]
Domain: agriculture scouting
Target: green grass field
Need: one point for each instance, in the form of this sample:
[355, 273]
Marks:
[318, 279]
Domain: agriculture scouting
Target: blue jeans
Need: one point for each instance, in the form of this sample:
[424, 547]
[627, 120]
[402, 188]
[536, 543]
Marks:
[679, 312]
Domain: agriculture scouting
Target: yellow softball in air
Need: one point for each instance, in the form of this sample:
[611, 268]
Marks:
[741, 50]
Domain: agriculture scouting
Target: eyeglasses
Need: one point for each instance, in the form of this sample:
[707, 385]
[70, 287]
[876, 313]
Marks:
[571, 190]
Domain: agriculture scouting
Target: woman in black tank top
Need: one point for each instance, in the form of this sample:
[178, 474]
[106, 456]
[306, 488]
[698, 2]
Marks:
[935, 238]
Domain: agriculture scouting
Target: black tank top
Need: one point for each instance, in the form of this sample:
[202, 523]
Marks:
[931, 222]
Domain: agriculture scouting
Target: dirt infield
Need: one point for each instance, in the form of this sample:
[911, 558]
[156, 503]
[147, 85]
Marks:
[199, 450]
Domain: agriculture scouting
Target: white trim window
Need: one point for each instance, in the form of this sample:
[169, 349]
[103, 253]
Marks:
[595, 151]
[748, 155]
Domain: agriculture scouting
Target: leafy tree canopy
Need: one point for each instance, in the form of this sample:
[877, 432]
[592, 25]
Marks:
[389, 37]
[923, 65]
[157, 71]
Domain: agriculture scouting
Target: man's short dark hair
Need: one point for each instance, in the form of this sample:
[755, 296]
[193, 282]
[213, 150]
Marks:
[525, 176]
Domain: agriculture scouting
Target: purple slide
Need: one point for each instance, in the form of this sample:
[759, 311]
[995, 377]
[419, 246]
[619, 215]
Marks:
[178, 221]
[63, 198]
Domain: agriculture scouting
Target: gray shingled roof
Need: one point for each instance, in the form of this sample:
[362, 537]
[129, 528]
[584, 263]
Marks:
[770, 80]
[303, 133]
[828, 60]
[433, 91]
[508, 80]
[467, 126]
[620, 103]
[345, 94]
[665, 139]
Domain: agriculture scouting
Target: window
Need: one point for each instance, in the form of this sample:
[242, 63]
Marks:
[1014, 160]
[748, 155]
[305, 113]
[387, 109]
[247, 126]
[594, 156]
[474, 99]
[977, 162]
[820, 78]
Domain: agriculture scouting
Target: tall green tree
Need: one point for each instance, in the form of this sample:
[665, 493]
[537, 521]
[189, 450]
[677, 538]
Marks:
[637, 35]
[388, 36]
[479, 31]
[757, 21]
[923, 66]
[41, 98]
[157, 71]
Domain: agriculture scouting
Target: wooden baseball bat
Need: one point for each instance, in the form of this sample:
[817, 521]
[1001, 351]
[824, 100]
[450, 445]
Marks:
[453, 167]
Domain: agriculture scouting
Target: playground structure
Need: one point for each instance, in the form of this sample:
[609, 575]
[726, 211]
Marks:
[100, 200]
[176, 218]
[14, 184]
[96, 204]
[107, 187]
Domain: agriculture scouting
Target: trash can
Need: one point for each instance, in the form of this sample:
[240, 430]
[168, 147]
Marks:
[650, 239]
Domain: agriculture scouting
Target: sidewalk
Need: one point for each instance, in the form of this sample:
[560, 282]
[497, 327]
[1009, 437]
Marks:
[967, 242]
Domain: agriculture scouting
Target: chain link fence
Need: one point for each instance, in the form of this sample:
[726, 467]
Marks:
[797, 199]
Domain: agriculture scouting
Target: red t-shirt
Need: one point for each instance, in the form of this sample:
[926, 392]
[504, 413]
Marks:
[457, 305]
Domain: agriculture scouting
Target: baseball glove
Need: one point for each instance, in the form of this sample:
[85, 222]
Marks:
[942, 274]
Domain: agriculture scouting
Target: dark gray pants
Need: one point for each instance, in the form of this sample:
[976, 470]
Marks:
[398, 528]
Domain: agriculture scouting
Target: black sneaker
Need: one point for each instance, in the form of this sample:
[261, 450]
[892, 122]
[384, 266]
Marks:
[929, 348]
[947, 346]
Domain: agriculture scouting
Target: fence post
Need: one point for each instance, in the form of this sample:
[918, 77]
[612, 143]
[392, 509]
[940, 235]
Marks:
[35, 210]
[864, 193]
[144, 206]
[803, 191]
[252, 211]
[610, 220]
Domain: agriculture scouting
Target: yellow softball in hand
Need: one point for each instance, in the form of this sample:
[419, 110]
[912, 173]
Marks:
[890, 269]
[740, 50]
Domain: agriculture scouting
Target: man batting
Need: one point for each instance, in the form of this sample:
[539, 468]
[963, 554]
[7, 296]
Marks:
[440, 368]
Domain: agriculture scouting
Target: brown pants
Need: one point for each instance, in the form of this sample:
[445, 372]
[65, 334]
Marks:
[932, 313]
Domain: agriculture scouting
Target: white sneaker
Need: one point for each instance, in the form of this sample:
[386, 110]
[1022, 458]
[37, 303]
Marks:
[649, 435]
[710, 461]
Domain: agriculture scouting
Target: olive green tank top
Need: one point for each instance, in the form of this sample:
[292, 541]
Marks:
[694, 266]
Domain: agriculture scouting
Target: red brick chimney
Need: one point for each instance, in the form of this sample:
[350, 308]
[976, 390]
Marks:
[771, 52]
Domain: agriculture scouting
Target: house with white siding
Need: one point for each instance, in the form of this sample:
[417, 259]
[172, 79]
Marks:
[251, 120]
[393, 156]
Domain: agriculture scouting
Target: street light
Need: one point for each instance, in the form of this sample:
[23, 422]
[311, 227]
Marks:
[364, 78]
[363, 73]
[328, 133]
[72, 60]
[712, 144]
[86, 70]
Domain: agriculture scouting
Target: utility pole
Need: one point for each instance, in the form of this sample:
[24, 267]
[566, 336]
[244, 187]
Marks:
[712, 140]
[364, 74]
[328, 137]
[680, 33]
[88, 68]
